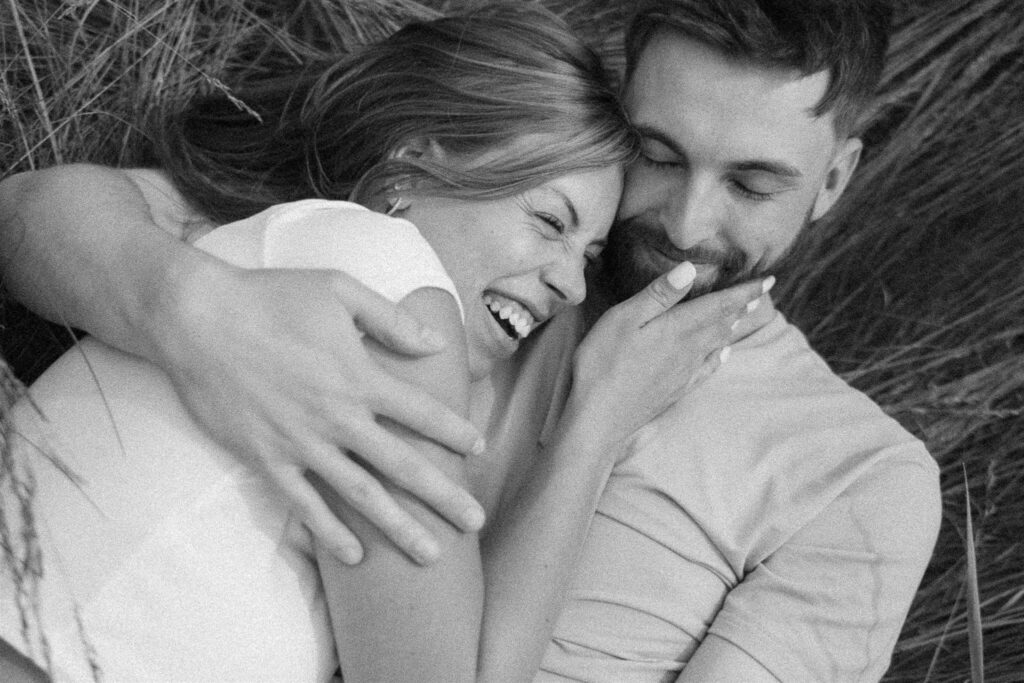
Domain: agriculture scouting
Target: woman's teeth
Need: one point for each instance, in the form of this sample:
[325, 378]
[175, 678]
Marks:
[511, 315]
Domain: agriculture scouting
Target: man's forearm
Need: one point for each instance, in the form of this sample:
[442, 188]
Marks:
[81, 247]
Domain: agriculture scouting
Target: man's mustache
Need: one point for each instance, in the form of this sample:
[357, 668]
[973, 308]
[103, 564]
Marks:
[628, 236]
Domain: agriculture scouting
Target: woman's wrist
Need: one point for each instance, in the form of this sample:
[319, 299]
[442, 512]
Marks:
[592, 433]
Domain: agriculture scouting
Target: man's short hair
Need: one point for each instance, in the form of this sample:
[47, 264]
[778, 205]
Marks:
[849, 38]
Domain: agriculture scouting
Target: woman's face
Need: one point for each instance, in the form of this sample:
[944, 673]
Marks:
[518, 261]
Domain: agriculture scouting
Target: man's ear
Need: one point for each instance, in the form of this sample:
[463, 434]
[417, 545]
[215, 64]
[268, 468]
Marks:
[838, 176]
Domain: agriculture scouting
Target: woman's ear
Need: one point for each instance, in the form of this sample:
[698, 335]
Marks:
[424, 148]
[838, 176]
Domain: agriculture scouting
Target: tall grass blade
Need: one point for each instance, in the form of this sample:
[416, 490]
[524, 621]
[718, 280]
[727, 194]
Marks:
[974, 636]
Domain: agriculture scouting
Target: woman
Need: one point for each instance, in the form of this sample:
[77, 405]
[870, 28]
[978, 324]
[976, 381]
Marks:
[494, 134]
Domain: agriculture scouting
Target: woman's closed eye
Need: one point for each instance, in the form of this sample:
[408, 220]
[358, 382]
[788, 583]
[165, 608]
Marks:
[552, 220]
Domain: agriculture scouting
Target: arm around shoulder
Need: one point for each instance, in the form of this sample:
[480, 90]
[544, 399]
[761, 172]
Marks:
[95, 248]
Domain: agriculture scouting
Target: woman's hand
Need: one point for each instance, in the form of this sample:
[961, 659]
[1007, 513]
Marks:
[272, 364]
[646, 352]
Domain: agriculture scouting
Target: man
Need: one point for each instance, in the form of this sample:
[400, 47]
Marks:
[773, 525]
[786, 540]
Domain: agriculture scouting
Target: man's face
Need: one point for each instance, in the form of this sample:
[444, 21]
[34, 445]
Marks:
[734, 166]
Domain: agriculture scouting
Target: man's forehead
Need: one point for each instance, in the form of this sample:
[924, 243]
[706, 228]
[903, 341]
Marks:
[701, 97]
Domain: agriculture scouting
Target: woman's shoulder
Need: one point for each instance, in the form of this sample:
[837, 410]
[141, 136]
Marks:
[386, 254]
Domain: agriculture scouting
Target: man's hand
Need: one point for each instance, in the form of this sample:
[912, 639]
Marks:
[646, 352]
[272, 363]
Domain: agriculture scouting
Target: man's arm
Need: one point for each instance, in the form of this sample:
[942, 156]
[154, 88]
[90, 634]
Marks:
[830, 603]
[271, 363]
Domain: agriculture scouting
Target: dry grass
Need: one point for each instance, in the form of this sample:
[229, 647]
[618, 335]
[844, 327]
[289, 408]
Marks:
[912, 289]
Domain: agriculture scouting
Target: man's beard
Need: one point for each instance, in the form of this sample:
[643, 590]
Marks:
[627, 269]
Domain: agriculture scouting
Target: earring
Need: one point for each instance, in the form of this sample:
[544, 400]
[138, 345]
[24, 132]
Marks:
[395, 201]
[397, 204]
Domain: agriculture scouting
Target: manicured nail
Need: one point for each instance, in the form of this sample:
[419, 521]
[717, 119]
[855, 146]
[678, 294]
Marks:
[768, 283]
[735, 326]
[479, 446]
[682, 276]
[752, 305]
[723, 355]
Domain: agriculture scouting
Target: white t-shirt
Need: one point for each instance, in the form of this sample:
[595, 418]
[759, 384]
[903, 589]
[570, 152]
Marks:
[164, 558]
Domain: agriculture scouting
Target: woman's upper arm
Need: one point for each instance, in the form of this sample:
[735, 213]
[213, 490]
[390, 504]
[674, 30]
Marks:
[393, 619]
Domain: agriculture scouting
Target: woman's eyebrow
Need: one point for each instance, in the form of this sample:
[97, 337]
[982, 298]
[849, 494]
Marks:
[574, 218]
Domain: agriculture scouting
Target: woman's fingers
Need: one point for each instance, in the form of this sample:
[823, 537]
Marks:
[663, 293]
[761, 314]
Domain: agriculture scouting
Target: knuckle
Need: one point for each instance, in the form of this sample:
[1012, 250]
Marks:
[406, 473]
[658, 290]
[360, 493]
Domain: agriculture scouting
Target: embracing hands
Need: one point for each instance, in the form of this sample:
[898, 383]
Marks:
[272, 364]
[645, 353]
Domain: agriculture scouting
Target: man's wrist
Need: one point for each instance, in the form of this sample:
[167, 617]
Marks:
[170, 306]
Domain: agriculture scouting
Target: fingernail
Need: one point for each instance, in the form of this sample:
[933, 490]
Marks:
[752, 305]
[735, 326]
[479, 446]
[350, 555]
[473, 518]
[768, 283]
[425, 552]
[682, 275]
[723, 355]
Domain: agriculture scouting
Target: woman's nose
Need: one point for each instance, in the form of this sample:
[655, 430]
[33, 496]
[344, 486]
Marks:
[567, 279]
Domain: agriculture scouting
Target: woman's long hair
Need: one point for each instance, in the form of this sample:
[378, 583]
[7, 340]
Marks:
[471, 83]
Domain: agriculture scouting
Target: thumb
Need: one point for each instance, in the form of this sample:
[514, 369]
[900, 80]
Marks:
[666, 291]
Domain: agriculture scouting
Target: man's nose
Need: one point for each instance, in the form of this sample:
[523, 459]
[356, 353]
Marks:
[565, 277]
[691, 214]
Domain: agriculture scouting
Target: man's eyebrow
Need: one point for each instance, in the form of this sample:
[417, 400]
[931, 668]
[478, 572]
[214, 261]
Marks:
[769, 166]
[772, 166]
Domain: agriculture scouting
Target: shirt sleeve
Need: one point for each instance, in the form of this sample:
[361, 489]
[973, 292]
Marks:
[388, 255]
[829, 604]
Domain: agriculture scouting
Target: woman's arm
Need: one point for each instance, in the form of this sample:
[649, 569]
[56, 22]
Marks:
[394, 620]
[101, 249]
[640, 357]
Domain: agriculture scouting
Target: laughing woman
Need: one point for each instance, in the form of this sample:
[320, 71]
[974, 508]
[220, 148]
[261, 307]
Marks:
[467, 167]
